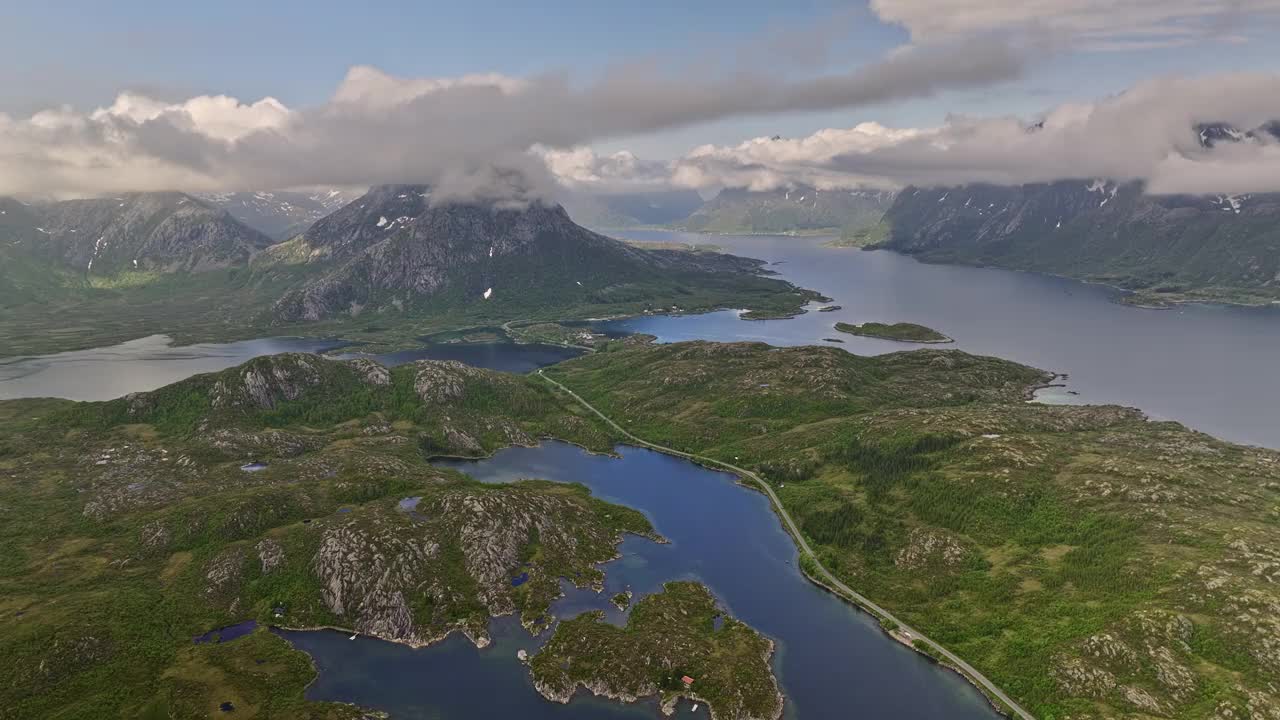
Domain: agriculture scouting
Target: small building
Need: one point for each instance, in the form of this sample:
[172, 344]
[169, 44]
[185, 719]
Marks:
[686, 680]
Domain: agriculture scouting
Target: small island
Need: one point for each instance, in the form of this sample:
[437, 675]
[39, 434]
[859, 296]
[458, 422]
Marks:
[676, 644]
[901, 332]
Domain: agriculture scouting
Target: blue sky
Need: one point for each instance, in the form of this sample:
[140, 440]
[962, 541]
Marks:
[83, 53]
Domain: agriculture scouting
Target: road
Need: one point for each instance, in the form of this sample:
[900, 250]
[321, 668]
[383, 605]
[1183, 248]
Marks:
[825, 575]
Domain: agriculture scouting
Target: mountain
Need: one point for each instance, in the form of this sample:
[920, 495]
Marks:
[393, 250]
[48, 250]
[631, 209]
[801, 209]
[1222, 247]
[279, 214]
[167, 232]
[24, 274]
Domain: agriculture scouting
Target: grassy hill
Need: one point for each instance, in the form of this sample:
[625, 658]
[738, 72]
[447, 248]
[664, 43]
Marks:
[1092, 563]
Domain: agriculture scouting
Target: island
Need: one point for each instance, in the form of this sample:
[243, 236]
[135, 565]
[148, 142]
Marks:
[901, 332]
[161, 534]
[1084, 559]
[676, 644]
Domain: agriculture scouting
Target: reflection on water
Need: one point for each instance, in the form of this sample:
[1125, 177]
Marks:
[832, 660]
[134, 366]
[151, 362]
[1208, 366]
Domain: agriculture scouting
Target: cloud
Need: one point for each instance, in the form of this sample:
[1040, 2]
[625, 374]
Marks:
[1095, 24]
[472, 130]
[1146, 133]
[581, 168]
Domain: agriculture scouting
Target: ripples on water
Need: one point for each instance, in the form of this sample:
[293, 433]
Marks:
[832, 660]
[1208, 366]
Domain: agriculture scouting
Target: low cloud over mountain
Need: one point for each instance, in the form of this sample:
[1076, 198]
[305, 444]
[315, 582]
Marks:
[1149, 133]
[467, 136]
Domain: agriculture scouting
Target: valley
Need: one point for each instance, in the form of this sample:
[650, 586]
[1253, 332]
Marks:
[354, 274]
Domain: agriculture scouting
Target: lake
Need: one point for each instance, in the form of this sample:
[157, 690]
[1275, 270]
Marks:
[152, 362]
[1207, 366]
[832, 660]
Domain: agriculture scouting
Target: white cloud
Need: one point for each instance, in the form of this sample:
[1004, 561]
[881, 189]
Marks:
[1097, 24]
[1146, 133]
[622, 171]
[471, 130]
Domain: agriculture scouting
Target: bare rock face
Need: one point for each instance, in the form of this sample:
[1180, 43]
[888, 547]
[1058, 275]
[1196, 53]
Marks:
[267, 381]
[365, 571]
[372, 373]
[929, 548]
[1093, 229]
[414, 576]
[270, 554]
[443, 381]
[165, 232]
[395, 247]
[224, 572]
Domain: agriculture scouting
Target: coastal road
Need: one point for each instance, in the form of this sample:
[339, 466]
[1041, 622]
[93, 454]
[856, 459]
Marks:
[827, 578]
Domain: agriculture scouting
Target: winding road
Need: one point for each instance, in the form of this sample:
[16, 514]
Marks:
[826, 577]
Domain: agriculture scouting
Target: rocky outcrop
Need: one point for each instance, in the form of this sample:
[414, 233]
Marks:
[443, 381]
[449, 563]
[265, 382]
[930, 548]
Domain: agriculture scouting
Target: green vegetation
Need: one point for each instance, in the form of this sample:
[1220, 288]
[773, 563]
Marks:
[686, 247]
[862, 237]
[1090, 562]
[130, 528]
[548, 333]
[227, 305]
[902, 332]
[800, 211]
[669, 635]
[1167, 249]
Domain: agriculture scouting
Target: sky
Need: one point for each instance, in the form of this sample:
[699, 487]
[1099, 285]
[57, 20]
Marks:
[715, 74]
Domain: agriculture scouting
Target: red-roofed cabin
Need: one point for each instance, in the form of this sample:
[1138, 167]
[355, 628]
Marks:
[687, 680]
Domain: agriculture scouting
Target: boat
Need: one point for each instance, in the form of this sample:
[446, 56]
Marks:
[695, 707]
[353, 637]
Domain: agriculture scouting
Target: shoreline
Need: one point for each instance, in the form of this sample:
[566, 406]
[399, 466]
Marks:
[1007, 708]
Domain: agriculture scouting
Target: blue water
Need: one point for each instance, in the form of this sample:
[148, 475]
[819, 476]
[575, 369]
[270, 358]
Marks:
[134, 366]
[228, 633]
[152, 362]
[1208, 366]
[832, 660]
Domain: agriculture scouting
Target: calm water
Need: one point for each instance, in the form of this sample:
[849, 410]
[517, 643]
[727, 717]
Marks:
[832, 660]
[151, 362]
[134, 366]
[1207, 366]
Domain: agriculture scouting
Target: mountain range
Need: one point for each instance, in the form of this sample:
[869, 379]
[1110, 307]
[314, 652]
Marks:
[280, 214]
[112, 268]
[800, 209]
[1166, 248]
[609, 211]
